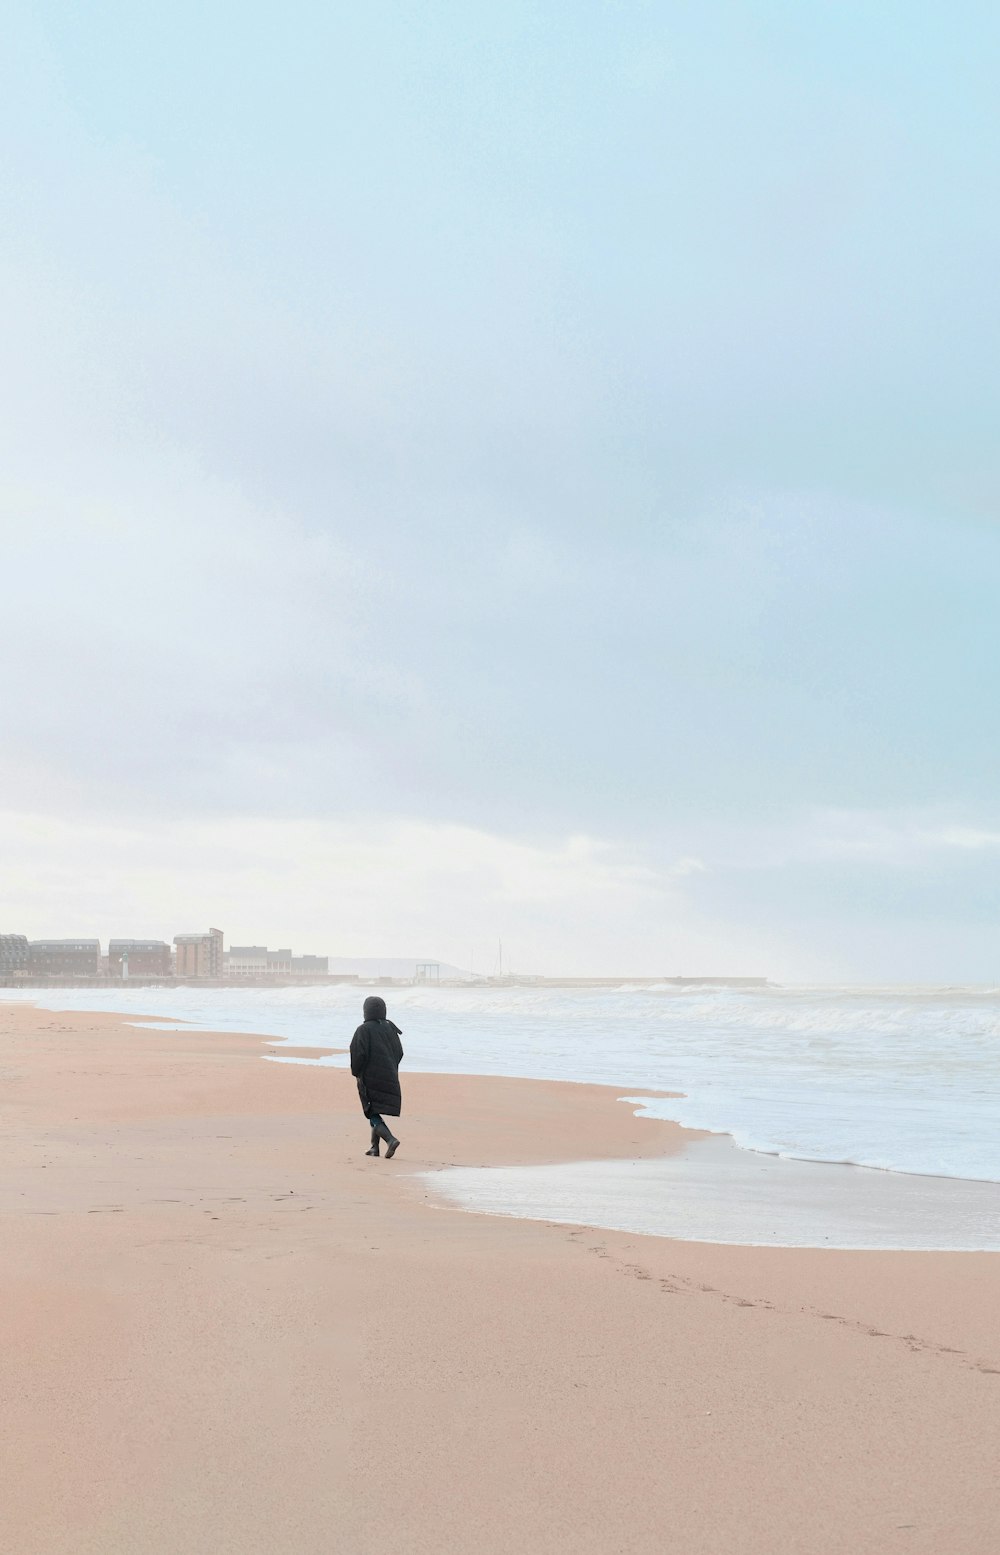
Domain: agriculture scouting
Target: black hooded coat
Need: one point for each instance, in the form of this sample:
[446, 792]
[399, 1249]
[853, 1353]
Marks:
[375, 1055]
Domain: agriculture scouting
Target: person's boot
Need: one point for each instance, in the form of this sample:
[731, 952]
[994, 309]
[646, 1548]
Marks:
[374, 1148]
[391, 1141]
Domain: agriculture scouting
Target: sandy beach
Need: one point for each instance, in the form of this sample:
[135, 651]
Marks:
[226, 1330]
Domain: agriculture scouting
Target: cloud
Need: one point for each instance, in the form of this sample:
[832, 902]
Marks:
[900, 838]
[967, 837]
[685, 866]
[366, 886]
[459, 439]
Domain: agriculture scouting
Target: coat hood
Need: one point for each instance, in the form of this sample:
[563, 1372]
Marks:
[374, 1008]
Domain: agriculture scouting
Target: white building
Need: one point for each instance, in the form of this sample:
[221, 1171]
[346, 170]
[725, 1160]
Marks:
[246, 961]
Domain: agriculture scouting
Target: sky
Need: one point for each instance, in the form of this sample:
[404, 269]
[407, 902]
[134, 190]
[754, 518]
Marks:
[524, 472]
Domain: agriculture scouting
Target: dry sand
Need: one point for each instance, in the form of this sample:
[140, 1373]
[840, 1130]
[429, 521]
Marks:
[226, 1331]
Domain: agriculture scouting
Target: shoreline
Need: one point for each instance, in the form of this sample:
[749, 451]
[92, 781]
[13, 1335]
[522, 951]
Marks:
[712, 1192]
[671, 1137]
[200, 1264]
[786, 1112]
[667, 1138]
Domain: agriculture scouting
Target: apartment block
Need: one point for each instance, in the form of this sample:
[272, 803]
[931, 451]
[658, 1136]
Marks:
[247, 961]
[14, 956]
[199, 955]
[145, 958]
[64, 958]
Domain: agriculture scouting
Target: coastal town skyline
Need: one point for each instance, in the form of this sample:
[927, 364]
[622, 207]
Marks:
[202, 958]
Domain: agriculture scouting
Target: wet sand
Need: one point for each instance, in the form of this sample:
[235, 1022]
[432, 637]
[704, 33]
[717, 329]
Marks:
[224, 1329]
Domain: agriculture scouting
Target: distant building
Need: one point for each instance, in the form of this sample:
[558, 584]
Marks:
[199, 955]
[14, 956]
[258, 961]
[247, 961]
[65, 958]
[146, 957]
[315, 964]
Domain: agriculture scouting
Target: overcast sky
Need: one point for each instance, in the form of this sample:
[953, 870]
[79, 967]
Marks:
[527, 470]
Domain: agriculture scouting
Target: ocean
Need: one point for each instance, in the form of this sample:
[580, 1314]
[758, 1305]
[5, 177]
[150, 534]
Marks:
[903, 1080]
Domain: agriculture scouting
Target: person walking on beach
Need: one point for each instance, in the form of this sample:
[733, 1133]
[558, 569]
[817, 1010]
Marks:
[375, 1056]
